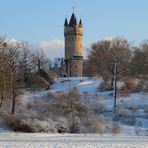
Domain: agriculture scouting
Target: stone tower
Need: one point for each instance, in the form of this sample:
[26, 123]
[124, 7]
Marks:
[73, 33]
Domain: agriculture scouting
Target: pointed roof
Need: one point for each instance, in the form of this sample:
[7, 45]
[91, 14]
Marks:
[80, 23]
[73, 20]
[66, 22]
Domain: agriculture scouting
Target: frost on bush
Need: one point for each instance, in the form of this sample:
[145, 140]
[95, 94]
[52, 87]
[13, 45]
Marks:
[29, 125]
[100, 105]
[116, 129]
[15, 124]
[74, 124]
[68, 112]
[62, 125]
[126, 115]
[131, 86]
[105, 86]
[98, 124]
[125, 111]
[40, 126]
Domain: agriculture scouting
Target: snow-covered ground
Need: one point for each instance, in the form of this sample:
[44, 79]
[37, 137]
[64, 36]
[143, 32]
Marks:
[137, 101]
[133, 136]
[17, 140]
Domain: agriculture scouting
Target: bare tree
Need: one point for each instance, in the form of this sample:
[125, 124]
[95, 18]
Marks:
[13, 64]
[101, 57]
[110, 59]
[139, 63]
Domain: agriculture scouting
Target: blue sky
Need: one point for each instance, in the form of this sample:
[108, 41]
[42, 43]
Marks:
[41, 21]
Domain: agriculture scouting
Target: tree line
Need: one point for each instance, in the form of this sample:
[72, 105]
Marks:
[130, 60]
[20, 69]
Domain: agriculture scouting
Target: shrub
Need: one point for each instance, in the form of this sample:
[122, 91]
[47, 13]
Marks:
[15, 124]
[99, 105]
[95, 124]
[75, 125]
[28, 125]
[40, 102]
[62, 125]
[145, 88]
[131, 86]
[116, 129]
[126, 115]
[105, 86]
[124, 91]
[124, 112]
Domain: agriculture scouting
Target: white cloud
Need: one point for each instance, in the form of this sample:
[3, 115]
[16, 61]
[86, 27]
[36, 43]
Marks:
[12, 41]
[108, 38]
[53, 48]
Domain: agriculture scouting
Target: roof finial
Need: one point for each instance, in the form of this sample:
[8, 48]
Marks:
[73, 8]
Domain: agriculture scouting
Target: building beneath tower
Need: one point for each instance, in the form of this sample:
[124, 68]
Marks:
[73, 33]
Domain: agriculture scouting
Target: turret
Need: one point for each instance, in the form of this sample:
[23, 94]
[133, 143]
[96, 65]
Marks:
[73, 33]
[66, 22]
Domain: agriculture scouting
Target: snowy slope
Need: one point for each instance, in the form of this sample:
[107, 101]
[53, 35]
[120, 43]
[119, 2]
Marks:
[84, 84]
[139, 101]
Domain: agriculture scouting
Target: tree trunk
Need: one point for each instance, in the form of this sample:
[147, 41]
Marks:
[112, 83]
[2, 98]
[115, 89]
[13, 104]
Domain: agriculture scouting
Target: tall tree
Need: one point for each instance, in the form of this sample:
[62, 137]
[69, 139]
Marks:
[13, 65]
[102, 55]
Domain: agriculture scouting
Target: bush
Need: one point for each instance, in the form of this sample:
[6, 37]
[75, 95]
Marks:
[62, 125]
[124, 91]
[145, 88]
[116, 129]
[105, 86]
[126, 115]
[28, 125]
[98, 124]
[131, 86]
[40, 103]
[15, 124]
[75, 125]
[125, 112]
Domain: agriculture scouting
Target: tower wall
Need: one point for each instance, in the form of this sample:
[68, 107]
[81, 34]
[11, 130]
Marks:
[74, 50]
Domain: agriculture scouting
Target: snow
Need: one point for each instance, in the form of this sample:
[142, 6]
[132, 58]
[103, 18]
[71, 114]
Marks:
[90, 85]
[84, 84]
[133, 136]
[17, 140]
[137, 101]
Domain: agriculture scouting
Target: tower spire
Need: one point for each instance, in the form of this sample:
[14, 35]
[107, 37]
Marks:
[73, 20]
[66, 22]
